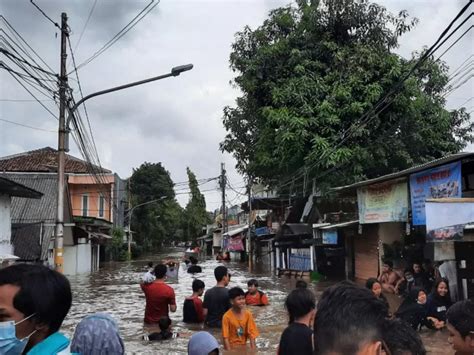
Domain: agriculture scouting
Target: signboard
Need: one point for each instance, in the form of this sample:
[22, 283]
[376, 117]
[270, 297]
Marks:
[445, 220]
[441, 182]
[386, 202]
[235, 244]
[330, 236]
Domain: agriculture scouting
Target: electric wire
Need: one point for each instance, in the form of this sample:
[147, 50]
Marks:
[27, 126]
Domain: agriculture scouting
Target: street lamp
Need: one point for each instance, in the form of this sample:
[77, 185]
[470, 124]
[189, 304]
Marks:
[62, 139]
[130, 212]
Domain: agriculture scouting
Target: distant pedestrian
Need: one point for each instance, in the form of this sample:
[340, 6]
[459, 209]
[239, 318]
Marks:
[97, 334]
[216, 299]
[460, 318]
[203, 343]
[192, 308]
[238, 324]
[297, 338]
[194, 268]
[255, 297]
[160, 298]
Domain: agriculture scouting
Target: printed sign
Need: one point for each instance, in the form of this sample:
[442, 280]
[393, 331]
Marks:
[235, 244]
[440, 182]
[386, 202]
[446, 220]
[330, 236]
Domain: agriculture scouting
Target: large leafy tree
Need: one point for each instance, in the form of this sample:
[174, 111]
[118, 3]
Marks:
[310, 73]
[195, 215]
[157, 221]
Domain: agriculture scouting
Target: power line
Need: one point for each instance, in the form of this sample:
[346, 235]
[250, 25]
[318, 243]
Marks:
[44, 14]
[27, 126]
[451, 46]
[23, 100]
[85, 25]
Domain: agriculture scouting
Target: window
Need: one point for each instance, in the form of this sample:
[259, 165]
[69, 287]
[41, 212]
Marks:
[101, 206]
[85, 205]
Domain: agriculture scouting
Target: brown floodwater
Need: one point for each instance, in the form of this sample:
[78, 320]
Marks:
[115, 289]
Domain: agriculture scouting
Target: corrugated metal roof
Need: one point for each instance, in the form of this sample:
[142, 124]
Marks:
[31, 240]
[13, 188]
[45, 160]
[406, 172]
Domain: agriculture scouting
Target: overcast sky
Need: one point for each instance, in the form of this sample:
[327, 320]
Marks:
[176, 121]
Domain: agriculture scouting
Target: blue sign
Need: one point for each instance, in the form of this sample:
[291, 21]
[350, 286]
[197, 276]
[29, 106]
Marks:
[441, 182]
[330, 236]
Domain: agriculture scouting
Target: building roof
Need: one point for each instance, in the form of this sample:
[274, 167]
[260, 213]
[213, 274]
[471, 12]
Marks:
[12, 188]
[31, 240]
[45, 160]
[409, 171]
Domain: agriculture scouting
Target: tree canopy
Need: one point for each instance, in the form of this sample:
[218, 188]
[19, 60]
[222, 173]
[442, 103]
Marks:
[308, 75]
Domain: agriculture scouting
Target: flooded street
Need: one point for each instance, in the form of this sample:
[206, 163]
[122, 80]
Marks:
[115, 289]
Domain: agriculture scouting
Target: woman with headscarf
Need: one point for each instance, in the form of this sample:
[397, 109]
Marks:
[438, 303]
[413, 308]
[97, 334]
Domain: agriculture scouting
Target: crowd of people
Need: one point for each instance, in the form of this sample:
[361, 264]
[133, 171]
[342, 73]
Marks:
[347, 319]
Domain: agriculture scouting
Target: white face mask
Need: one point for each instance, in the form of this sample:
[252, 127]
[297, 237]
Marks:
[9, 343]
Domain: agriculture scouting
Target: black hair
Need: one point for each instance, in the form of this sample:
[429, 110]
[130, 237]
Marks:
[43, 292]
[389, 263]
[198, 285]
[236, 292]
[193, 260]
[150, 264]
[160, 271]
[408, 269]
[461, 316]
[347, 316]
[300, 302]
[252, 282]
[164, 323]
[301, 284]
[434, 290]
[371, 282]
[401, 338]
[220, 272]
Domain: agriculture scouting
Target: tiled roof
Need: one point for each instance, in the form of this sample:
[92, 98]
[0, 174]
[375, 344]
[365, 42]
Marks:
[45, 160]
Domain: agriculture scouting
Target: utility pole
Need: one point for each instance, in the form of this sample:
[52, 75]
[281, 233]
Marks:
[249, 235]
[129, 239]
[223, 183]
[59, 235]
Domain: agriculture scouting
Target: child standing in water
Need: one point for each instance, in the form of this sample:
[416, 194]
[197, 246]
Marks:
[238, 324]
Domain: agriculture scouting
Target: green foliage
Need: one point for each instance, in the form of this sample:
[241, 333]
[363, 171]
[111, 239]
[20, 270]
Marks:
[116, 247]
[195, 214]
[156, 222]
[310, 72]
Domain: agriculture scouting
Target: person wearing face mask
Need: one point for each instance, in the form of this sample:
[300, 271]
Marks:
[438, 303]
[34, 301]
[405, 285]
[413, 309]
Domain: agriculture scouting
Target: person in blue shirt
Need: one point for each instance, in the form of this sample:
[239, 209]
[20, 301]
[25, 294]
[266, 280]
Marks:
[34, 301]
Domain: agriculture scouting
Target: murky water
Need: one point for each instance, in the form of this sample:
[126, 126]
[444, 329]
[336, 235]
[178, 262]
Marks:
[115, 289]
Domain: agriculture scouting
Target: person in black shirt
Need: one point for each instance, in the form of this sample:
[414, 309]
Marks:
[438, 304]
[297, 338]
[216, 299]
[413, 309]
[194, 268]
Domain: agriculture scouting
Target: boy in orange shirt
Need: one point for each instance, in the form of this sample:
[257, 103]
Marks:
[255, 297]
[237, 323]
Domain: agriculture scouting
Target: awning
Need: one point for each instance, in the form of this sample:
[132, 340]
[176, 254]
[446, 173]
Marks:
[235, 231]
[339, 225]
[99, 235]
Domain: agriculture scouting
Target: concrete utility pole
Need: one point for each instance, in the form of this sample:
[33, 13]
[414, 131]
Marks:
[223, 183]
[59, 235]
[249, 234]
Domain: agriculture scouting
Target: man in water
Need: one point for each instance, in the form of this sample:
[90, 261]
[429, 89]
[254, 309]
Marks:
[216, 299]
[388, 278]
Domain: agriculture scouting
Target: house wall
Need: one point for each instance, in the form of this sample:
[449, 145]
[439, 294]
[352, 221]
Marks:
[5, 225]
[77, 259]
[94, 191]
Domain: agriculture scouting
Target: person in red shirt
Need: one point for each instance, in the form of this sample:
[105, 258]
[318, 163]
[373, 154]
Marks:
[255, 297]
[160, 298]
[192, 309]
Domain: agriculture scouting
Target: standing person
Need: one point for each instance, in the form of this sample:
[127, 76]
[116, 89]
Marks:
[192, 308]
[160, 298]
[216, 299]
[97, 334]
[194, 268]
[438, 304]
[461, 327]
[34, 301]
[388, 278]
[374, 285]
[413, 309]
[238, 324]
[255, 297]
[349, 320]
[297, 338]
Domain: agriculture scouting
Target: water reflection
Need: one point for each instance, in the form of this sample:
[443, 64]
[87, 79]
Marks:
[115, 289]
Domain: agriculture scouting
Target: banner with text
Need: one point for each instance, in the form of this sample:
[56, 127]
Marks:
[446, 220]
[441, 182]
[386, 202]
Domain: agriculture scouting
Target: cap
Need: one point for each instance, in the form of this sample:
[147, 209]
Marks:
[202, 343]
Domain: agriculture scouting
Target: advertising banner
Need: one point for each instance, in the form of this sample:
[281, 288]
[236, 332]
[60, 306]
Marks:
[330, 236]
[386, 202]
[441, 182]
[445, 220]
[235, 244]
